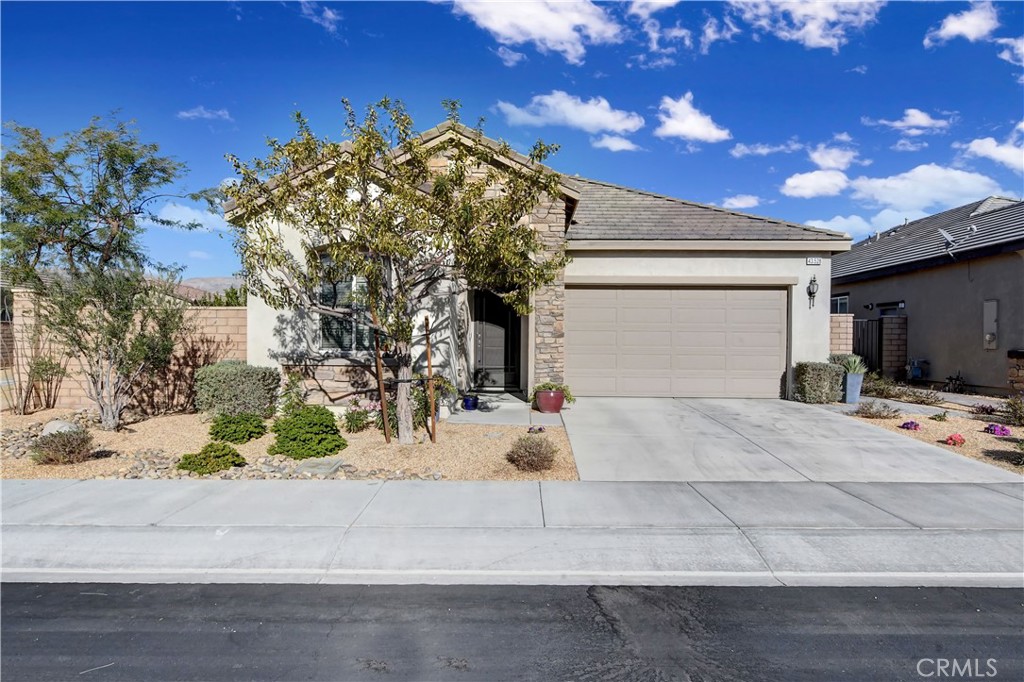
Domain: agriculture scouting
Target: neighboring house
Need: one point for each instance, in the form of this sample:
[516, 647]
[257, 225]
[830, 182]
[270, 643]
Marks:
[958, 278]
[663, 297]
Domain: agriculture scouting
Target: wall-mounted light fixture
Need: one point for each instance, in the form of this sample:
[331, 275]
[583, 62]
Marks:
[812, 291]
[869, 306]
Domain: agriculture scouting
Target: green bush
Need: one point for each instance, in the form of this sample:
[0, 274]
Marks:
[420, 411]
[818, 382]
[532, 452]
[921, 397]
[64, 447]
[237, 428]
[233, 387]
[840, 358]
[878, 386]
[872, 409]
[293, 394]
[552, 386]
[1014, 409]
[356, 420]
[310, 431]
[212, 458]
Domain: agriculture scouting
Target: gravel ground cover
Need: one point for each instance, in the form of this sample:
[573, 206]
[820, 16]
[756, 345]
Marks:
[150, 448]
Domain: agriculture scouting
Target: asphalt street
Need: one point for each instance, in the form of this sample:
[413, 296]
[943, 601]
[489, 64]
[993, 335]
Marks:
[345, 632]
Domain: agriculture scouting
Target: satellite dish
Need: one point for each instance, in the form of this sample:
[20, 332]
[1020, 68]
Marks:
[947, 237]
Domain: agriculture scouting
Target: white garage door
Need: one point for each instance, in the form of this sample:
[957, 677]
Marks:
[676, 342]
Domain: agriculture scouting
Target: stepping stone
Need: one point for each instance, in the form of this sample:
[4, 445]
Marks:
[323, 465]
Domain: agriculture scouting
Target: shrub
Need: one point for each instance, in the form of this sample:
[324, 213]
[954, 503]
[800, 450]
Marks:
[420, 411]
[818, 382]
[64, 447]
[955, 439]
[212, 458]
[293, 394]
[983, 409]
[310, 431]
[233, 387]
[878, 386]
[1014, 409]
[940, 417]
[356, 420]
[1018, 459]
[998, 430]
[911, 426]
[918, 397]
[237, 428]
[872, 409]
[532, 452]
[840, 358]
[853, 364]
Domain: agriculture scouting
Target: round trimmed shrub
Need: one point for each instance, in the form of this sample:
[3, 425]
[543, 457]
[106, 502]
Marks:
[532, 452]
[237, 428]
[233, 387]
[212, 458]
[310, 431]
[63, 447]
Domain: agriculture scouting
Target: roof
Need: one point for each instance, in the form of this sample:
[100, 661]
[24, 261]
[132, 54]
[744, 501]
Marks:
[613, 212]
[981, 227]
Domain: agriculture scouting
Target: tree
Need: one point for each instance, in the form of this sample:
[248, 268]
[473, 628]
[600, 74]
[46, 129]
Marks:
[75, 208]
[376, 207]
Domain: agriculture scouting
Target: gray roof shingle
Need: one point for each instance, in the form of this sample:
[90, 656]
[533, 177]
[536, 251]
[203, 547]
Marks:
[612, 212]
[998, 220]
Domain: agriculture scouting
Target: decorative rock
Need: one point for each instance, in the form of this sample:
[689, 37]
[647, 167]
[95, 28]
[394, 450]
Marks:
[59, 426]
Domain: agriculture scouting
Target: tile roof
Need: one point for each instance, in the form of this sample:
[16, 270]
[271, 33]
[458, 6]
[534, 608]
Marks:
[613, 212]
[997, 220]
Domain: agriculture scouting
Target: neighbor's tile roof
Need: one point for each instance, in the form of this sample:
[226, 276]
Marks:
[998, 220]
[613, 212]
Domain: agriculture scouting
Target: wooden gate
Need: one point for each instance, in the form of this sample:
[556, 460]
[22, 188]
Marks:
[867, 342]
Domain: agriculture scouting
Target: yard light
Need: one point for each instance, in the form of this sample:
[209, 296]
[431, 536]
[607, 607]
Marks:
[812, 291]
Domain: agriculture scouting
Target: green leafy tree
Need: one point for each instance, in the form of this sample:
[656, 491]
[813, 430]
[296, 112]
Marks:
[74, 209]
[379, 206]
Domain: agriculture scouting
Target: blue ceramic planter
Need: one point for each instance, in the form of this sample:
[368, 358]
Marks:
[852, 388]
[470, 402]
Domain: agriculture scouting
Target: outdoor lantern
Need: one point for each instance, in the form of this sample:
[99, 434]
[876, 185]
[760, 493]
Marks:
[812, 291]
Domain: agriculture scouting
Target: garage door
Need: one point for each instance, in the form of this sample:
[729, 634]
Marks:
[677, 342]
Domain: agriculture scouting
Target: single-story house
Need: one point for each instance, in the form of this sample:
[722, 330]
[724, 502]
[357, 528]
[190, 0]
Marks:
[957, 277]
[663, 297]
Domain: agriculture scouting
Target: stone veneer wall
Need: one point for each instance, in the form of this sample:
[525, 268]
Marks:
[894, 346]
[548, 219]
[840, 327]
[1015, 370]
[338, 382]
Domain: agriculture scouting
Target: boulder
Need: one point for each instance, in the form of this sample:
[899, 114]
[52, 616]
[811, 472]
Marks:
[59, 426]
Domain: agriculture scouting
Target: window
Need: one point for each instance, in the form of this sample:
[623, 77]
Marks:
[350, 333]
[841, 304]
[6, 305]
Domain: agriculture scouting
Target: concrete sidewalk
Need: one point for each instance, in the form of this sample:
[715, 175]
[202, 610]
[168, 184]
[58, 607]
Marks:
[798, 533]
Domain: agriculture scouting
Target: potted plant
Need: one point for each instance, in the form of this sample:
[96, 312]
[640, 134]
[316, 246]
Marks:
[550, 396]
[855, 369]
[470, 402]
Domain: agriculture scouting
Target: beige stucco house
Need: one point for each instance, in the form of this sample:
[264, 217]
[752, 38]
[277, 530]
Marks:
[663, 297]
[958, 279]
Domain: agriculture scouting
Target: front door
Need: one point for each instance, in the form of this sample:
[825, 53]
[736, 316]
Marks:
[496, 343]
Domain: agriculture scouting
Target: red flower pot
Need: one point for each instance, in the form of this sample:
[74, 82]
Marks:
[550, 401]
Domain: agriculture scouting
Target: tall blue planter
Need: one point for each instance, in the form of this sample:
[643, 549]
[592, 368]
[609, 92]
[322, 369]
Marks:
[852, 388]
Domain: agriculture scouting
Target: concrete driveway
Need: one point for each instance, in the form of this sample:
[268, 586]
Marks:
[704, 439]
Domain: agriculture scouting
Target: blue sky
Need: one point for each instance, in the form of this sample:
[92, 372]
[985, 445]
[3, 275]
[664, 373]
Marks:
[851, 115]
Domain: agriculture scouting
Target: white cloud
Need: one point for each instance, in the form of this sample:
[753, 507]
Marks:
[741, 201]
[827, 158]
[914, 122]
[925, 187]
[202, 113]
[614, 143]
[551, 26]
[758, 149]
[679, 118]
[321, 16]
[905, 145]
[655, 34]
[198, 255]
[1009, 153]
[1013, 51]
[843, 137]
[861, 69]
[659, 61]
[853, 225]
[206, 221]
[976, 23]
[819, 183]
[715, 31]
[594, 115]
[812, 23]
[509, 57]
[645, 8]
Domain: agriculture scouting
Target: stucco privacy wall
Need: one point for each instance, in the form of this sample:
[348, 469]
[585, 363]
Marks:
[809, 331]
[944, 306]
[215, 333]
[840, 333]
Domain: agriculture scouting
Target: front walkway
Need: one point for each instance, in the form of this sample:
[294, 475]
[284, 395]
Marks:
[503, 409]
[800, 533]
[704, 439]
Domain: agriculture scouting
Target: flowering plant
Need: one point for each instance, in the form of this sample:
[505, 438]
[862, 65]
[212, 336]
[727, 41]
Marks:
[910, 426]
[536, 429]
[998, 430]
[955, 439]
